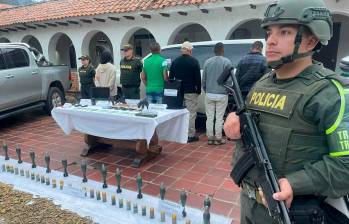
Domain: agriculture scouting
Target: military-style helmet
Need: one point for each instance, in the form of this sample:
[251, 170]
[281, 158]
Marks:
[310, 13]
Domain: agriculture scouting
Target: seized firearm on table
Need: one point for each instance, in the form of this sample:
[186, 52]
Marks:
[255, 154]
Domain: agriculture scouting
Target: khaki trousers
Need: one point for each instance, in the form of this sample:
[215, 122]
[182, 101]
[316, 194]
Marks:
[191, 103]
[215, 106]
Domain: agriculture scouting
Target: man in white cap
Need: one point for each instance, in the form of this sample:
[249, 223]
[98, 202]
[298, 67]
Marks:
[187, 69]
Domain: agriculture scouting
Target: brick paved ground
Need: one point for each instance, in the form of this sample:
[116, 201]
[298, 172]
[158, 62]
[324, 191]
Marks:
[199, 168]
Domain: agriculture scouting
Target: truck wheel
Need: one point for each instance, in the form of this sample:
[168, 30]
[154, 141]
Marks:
[55, 98]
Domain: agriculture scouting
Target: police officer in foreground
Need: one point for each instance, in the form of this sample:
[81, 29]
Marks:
[304, 118]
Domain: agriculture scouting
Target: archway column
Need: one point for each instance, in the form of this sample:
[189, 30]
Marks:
[32, 41]
[44, 39]
[58, 48]
[252, 26]
[90, 37]
[185, 31]
[4, 40]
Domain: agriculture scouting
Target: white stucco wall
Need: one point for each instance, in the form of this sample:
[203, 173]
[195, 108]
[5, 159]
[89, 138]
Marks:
[219, 24]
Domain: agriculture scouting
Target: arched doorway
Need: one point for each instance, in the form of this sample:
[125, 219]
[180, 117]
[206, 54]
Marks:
[4, 40]
[140, 39]
[61, 50]
[189, 32]
[94, 43]
[33, 42]
[338, 46]
[247, 30]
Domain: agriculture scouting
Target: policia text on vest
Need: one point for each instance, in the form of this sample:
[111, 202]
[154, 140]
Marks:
[268, 100]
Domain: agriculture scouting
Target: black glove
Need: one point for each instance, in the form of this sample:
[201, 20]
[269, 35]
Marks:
[143, 103]
[121, 100]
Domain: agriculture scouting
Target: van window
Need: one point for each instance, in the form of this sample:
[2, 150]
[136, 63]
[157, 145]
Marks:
[171, 53]
[202, 53]
[234, 52]
[16, 57]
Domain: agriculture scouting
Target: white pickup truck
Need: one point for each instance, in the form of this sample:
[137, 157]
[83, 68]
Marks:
[28, 81]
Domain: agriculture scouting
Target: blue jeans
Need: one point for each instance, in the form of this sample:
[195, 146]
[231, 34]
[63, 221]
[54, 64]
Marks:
[154, 97]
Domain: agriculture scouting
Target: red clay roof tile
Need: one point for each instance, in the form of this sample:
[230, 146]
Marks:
[5, 6]
[59, 9]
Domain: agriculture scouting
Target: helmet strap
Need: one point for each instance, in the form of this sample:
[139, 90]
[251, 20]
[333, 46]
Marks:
[295, 55]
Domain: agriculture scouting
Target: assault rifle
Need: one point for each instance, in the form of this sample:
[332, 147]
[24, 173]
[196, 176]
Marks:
[255, 154]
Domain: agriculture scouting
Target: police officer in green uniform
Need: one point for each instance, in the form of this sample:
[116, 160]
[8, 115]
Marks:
[304, 114]
[87, 74]
[130, 68]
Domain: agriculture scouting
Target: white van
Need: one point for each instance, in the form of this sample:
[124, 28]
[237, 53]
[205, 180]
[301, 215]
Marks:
[233, 50]
[344, 67]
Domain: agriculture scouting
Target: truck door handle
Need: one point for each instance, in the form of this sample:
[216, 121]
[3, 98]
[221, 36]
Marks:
[9, 76]
[35, 73]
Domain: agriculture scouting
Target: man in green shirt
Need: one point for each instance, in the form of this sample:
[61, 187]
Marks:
[154, 74]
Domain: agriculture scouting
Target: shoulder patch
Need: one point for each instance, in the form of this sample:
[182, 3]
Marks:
[317, 75]
[342, 80]
[266, 76]
[312, 78]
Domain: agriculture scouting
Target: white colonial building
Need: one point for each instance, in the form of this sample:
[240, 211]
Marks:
[65, 29]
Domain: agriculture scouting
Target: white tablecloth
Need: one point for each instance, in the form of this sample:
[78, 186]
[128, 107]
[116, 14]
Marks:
[170, 125]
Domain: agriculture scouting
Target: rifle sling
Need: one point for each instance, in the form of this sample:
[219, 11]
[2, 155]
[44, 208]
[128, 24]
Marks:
[241, 168]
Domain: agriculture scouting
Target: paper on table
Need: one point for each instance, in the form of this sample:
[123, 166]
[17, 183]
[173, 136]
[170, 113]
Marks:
[85, 102]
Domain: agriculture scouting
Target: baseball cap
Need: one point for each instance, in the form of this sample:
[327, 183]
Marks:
[127, 47]
[187, 45]
[84, 57]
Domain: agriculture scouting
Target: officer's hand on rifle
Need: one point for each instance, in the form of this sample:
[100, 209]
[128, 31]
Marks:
[285, 194]
[232, 126]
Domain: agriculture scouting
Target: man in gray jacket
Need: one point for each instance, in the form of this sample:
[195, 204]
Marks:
[216, 98]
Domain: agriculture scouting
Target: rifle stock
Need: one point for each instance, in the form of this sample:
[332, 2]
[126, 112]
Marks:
[256, 155]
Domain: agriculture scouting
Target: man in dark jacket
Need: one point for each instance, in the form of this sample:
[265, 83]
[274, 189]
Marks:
[130, 69]
[87, 75]
[251, 68]
[187, 69]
